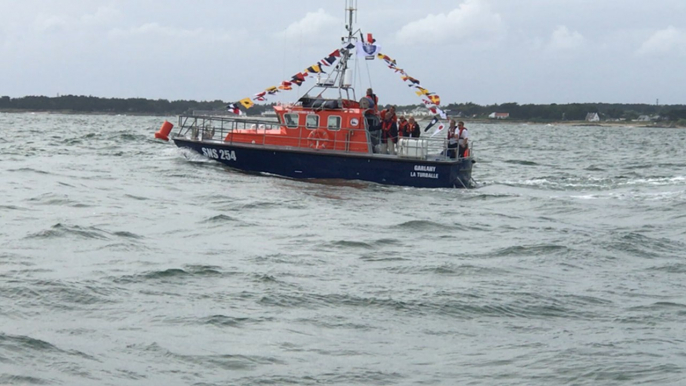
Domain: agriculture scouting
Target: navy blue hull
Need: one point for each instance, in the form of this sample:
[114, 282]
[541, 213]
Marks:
[301, 164]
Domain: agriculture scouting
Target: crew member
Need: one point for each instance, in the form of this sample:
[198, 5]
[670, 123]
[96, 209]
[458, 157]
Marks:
[389, 130]
[463, 138]
[374, 99]
[413, 127]
[371, 116]
[452, 139]
[403, 128]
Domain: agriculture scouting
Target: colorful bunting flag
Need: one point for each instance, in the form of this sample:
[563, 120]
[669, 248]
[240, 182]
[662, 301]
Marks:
[260, 96]
[315, 69]
[329, 60]
[439, 130]
[285, 86]
[233, 108]
[434, 120]
[411, 79]
[246, 102]
[421, 91]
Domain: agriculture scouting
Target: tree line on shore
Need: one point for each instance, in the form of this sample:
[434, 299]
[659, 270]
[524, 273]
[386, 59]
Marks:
[528, 112]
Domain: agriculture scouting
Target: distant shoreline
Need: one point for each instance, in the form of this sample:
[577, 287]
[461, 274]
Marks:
[613, 114]
[466, 120]
[672, 125]
[72, 112]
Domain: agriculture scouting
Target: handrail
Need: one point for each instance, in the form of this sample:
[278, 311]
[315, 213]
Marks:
[226, 129]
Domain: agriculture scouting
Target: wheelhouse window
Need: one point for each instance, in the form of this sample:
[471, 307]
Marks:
[291, 120]
[334, 123]
[312, 121]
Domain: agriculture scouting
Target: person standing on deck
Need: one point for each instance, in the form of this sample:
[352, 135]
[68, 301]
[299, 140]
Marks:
[375, 101]
[413, 128]
[389, 130]
[463, 139]
[452, 140]
[403, 127]
[371, 116]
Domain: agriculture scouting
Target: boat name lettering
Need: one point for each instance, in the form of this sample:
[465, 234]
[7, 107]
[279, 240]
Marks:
[221, 154]
[423, 175]
[423, 168]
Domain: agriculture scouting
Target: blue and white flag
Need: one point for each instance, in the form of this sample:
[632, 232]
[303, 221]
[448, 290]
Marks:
[368, 50]
[441, 113]
[433, 122]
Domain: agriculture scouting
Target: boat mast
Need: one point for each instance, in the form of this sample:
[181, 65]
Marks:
[350, 8]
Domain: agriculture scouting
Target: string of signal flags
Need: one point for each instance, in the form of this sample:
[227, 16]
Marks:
[365, 49]
[297, 79]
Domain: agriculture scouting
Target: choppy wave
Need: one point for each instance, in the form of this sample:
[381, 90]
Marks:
[62, 231]
[74, 231]
[594, 183]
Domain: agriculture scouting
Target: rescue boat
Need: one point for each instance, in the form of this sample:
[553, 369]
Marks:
[323, 135]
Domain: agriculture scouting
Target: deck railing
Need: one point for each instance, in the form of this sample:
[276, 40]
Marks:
[233, 129]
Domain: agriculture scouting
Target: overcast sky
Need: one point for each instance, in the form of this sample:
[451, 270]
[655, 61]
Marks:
[481, 51]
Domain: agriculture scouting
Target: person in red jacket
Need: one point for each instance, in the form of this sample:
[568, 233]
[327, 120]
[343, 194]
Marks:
[373, 98]
[389, 130]
[403, 128]
[463, 139]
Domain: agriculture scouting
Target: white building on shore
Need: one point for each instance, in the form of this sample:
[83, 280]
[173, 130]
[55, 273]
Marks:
[592, 117]
[495, 115]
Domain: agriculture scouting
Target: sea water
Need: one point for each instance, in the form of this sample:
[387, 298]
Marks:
[126, 261]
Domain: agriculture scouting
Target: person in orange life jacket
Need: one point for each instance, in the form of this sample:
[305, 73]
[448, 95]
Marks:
[413, 128]
[463, 138]
[389, 130]
[390, 113]
[403, 127]
[371, 116]
[452, 140]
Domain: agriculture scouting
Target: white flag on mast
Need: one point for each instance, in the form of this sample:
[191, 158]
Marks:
[368, 50]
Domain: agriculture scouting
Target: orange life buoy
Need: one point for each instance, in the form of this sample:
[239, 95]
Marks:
[318, 139]
[163, 132]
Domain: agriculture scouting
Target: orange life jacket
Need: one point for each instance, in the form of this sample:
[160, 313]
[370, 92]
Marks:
[403, 128]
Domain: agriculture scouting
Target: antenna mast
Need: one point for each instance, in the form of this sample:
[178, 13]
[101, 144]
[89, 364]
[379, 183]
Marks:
[350, 8]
